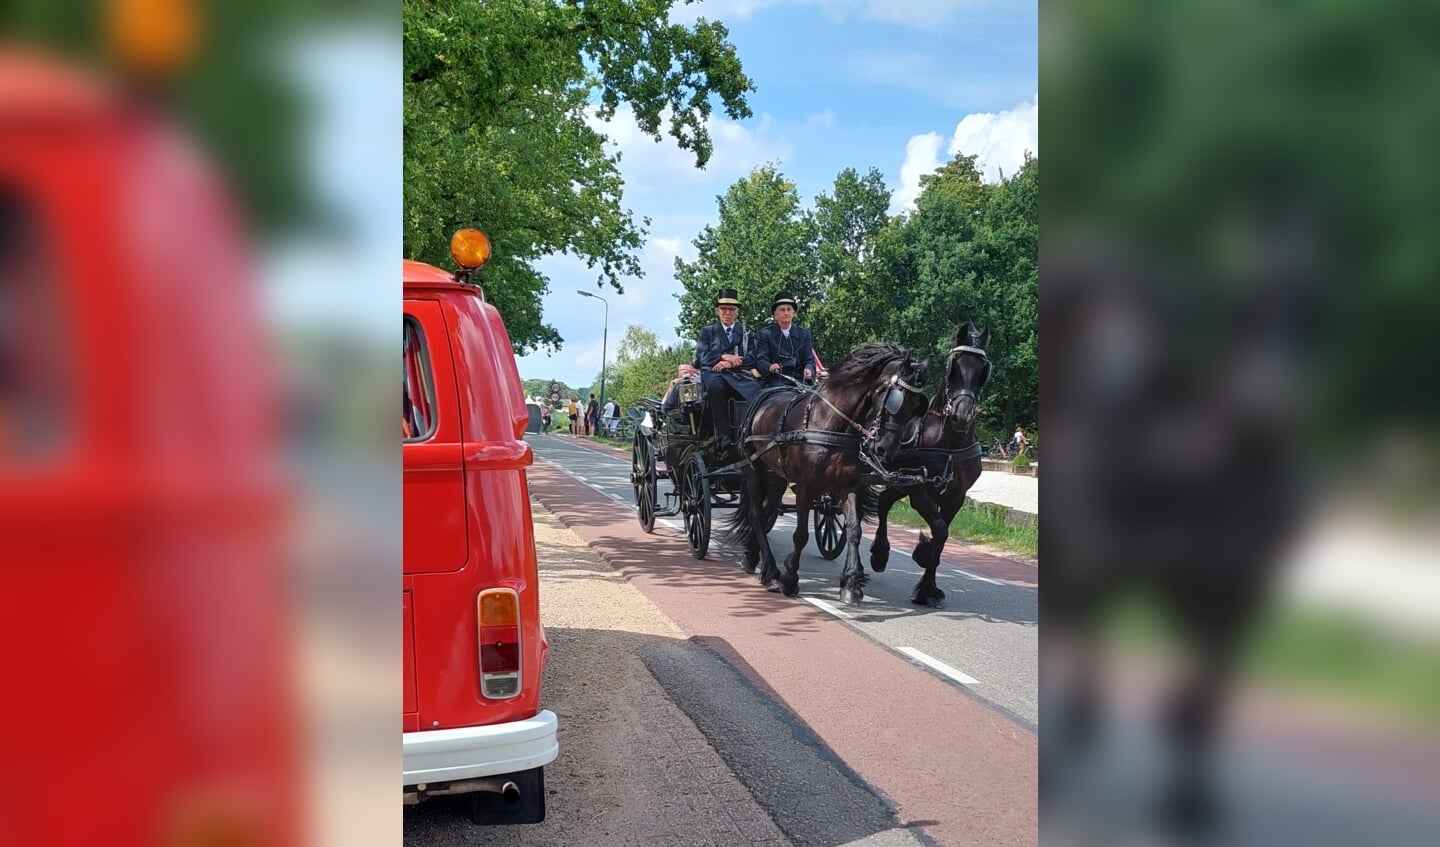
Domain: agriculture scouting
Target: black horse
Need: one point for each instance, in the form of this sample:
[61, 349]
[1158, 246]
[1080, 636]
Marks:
[1179, 477]
[815, 440]
[943, 445]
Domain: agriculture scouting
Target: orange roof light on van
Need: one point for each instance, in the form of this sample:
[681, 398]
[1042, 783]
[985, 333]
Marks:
[470, 248]
[152, 37]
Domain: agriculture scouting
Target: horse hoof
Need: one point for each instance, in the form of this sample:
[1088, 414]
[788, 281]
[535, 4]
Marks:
[879, 558]
[850, 597]
[750, 567]
[934, 598]
[774, 586]
[1190, 810]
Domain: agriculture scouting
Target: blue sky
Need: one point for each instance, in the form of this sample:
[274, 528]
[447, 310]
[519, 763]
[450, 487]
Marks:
[890, 84]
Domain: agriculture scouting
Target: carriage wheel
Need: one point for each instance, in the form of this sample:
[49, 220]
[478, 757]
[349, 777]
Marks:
[695, 500]
[644, 478]
[829, 528]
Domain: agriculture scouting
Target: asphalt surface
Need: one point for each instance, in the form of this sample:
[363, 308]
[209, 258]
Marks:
[956, 767]
[985, 639]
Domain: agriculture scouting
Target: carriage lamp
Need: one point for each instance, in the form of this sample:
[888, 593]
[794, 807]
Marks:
[470, 248]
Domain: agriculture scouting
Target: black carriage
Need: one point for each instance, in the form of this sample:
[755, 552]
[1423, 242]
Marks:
[678, 445]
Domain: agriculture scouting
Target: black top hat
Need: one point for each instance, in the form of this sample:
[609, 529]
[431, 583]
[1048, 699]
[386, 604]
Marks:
[783, 299]
[728, 297]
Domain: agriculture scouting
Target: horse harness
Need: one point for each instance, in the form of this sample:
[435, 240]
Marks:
[937, 464]
[894, 389]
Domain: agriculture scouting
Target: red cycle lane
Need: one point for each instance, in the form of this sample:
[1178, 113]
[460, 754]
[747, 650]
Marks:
[952, 766]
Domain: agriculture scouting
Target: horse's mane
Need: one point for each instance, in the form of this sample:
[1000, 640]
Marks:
[865, 363]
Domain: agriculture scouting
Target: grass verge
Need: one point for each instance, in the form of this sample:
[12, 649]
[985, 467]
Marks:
[981, 522]
[1313, 652]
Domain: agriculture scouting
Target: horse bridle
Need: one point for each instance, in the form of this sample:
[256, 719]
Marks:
[895, 389]
[952, 399]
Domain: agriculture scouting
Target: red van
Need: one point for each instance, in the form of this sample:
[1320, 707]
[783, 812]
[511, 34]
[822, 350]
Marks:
[142, 486]
[474, 647]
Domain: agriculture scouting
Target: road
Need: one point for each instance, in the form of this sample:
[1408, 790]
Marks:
[696, 708]
[985, 639]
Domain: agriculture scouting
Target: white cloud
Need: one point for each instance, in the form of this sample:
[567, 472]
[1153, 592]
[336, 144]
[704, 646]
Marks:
[922, 156]
[820, 119]
[721, 10]
[999, 140]
[937, 77]
[648, 165]
[916, 14]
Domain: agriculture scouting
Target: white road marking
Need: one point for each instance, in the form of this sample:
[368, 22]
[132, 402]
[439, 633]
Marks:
[826, 607]
[939, 666]
[966, 573]
[588, 484]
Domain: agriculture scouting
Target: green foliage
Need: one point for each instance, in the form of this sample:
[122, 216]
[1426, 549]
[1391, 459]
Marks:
[969, 252]
[848, 224]
[761, 244]
[1021, 461]
[541, 388]
[245, 108]
[1294, 155]
[985, 523]
[643, 367]
[501, 131]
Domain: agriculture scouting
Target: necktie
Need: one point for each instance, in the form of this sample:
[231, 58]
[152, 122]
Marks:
[728, 336]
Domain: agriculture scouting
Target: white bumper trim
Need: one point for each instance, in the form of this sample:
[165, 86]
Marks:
[443, 755]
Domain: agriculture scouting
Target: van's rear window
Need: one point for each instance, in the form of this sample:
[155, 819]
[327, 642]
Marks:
[418, 412]
[35, 417]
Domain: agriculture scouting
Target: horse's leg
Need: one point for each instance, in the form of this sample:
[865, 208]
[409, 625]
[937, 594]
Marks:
[1214, 626]
[853, 578]
[926, 592]
[880, 544]
[800, 538]
[752, 546]
[743, 523]
[759, 482]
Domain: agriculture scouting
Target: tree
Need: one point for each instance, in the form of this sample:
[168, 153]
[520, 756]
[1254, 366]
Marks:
[541, 388]
[848, 310]
[974, 250]
[245, 108]
[637, 343]
[647, 368]
[760, 245]
[503, 101]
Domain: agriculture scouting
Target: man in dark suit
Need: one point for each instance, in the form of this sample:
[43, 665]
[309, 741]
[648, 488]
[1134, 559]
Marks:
[785, 347]
[725, 354]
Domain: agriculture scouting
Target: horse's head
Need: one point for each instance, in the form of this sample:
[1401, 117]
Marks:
[879, 388]
[897, 400]
[966, 372]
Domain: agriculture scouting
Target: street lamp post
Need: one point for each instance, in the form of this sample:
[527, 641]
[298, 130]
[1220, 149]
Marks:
[604, 340]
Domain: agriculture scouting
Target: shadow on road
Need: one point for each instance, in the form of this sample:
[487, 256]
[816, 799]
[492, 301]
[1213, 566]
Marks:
[665, 741]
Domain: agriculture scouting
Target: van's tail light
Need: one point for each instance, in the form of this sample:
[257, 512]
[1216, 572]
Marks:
[498, 612]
